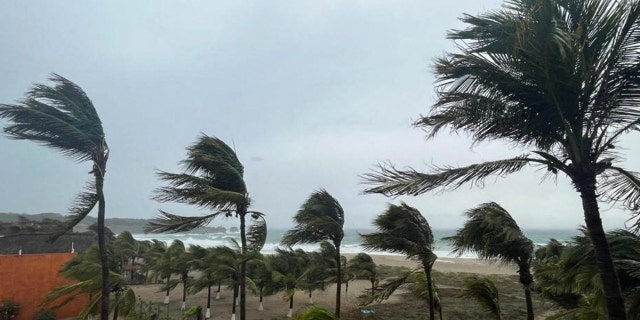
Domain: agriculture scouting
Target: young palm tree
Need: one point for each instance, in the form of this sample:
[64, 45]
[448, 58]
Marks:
[290, 268]
[207, 267]
[557, 77]
[362, 266]
[212, 180]
[402, 229]
[491, 232]
[63, 118]
[320, 218]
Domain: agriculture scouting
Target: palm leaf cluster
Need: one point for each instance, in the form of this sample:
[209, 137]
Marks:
[568, 275]
[485, 292]
[403, 229]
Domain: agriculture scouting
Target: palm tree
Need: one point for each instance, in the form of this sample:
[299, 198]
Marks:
[207, 267]
[63, 118]
[402, 229]
[362, 266]
[212, 180]
[320, 218]
[491, 232]
[169, 263]
[290, 268]
[557, 77]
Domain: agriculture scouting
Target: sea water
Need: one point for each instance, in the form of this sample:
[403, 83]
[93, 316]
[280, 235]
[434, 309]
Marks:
[351, 242]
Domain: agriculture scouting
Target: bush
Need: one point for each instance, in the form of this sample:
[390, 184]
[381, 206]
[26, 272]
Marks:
[316, 313]
[8, 309]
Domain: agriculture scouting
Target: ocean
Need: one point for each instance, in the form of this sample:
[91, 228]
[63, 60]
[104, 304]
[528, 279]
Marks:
[350, 243]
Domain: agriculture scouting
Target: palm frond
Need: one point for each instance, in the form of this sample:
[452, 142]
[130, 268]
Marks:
[390, 181]
[82, 206]
[485, 292]
[61, 117]
[257, 233]
[620, 185]
[167, 222]
[493, 234]
[387, 289]
[320, 218]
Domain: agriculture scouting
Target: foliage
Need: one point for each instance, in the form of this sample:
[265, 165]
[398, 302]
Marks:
[485, 292]
[569, 275]
[8, 309]
[45, 314]
[320, 219]
[558, 77]
[494, 235]
[403, 229]
[315, 313]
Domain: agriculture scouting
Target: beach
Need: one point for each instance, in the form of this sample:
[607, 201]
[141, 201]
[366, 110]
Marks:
[275, 307]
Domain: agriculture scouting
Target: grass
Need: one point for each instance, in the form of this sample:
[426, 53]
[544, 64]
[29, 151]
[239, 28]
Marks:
[449, 284]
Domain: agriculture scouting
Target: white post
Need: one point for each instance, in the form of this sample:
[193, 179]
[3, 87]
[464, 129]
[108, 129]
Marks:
[290, 313]
[260, 308]
[207, 314]
[310, 300]
[218, 295]
[166, 299]
[184, 306]
[233, 316]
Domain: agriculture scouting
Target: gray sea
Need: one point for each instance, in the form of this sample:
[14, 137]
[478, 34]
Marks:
[351, 242]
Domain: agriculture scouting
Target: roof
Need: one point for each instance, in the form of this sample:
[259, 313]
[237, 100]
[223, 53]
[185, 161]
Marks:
[27, 243]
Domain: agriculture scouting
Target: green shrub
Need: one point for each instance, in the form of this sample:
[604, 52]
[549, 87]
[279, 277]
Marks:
[8, 309]
[315, 313]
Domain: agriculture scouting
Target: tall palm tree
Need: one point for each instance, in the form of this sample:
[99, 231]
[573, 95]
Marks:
[212, 180]
[491, 232]
[62, 117]
[557, 77]
[320, 218]
[402, 229]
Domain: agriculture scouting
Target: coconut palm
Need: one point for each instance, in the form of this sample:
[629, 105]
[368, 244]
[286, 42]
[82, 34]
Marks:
[402, 229]
[290, 268]
[491, 232]
[62, 117]
[212, 180]
[362, 266]
[207, 267]
[169, 263]
[320, 218]
[557, 77]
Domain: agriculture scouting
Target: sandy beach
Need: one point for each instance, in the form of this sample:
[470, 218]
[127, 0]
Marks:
[275, 307]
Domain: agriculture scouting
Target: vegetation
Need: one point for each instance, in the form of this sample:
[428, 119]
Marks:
[557, 77]
[212, 180]
[8, 309]
[320, 218]
[485, 292]
[491, 232]
[62, 117]
[403, 229]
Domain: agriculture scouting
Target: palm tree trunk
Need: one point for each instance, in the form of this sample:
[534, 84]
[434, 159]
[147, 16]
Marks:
[243, 265]
[208, 312]
[115, 309]
[339, 281]
[290, 307]
[104, 258]
[608, 276]
[184, 292]
[373, 286]
[235, 294]
[427, 272]
[526, 279]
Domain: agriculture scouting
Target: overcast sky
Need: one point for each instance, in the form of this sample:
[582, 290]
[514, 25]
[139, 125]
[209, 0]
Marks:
[310, 93]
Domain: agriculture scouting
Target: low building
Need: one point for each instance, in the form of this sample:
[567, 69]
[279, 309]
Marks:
[30, 268]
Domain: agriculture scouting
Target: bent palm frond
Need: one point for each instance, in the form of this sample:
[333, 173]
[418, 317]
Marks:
[167, 222]
[390, 181]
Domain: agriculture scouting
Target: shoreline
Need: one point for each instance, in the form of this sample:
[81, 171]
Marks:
[466, 265]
